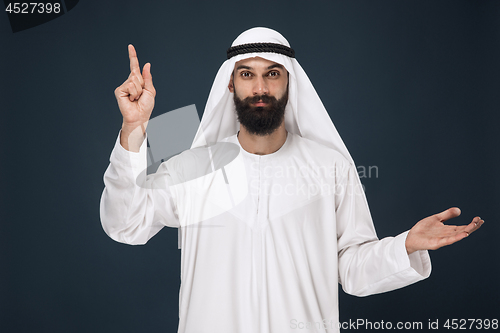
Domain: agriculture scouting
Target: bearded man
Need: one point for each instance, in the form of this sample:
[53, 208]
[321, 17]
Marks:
[267, 236]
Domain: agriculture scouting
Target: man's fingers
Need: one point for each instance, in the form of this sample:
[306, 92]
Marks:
[138, 86]
[448, 214]
[461, 232]
[136, 76]
[132, 90]
[476, 223]
[134, 61]
[148, 78]
[452, 239]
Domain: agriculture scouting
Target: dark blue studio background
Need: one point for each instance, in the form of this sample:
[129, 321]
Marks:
[412, 86]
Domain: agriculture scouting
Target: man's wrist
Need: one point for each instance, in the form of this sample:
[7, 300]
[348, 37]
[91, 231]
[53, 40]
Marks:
[409, 248]
[132, 136]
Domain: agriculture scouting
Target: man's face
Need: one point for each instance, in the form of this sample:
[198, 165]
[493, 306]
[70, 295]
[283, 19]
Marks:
[260, 90]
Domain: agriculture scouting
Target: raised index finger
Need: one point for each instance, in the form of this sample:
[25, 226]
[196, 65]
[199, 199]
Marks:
[132, 55]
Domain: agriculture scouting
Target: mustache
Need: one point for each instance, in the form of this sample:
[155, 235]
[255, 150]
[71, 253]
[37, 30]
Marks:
[257, 98]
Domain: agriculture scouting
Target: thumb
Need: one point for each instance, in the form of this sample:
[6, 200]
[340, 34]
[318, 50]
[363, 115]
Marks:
[148, 78]
[448, 214]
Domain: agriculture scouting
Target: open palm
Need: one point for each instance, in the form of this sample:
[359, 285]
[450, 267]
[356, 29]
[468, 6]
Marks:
[431, 233]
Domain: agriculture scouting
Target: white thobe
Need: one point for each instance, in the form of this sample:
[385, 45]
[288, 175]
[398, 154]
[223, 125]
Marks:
[265, 240]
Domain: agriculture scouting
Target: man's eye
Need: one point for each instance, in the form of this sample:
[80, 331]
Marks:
[273, 74]
[245, 74]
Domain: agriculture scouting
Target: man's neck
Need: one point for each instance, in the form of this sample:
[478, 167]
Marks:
[262, 145]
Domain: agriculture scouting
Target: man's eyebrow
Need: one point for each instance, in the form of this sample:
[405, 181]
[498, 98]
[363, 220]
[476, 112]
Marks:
[270, 67]
[243, 67]
[276, 66]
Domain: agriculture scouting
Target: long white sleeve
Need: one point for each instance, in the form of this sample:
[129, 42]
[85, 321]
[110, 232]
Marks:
[368, 265]
[134, 207]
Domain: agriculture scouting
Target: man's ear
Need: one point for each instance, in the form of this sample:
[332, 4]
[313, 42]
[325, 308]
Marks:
[230, 86]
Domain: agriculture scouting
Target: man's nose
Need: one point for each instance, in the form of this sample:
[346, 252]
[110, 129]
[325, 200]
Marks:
[260, 87]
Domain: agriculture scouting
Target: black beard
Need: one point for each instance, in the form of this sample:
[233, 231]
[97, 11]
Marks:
[261, 120]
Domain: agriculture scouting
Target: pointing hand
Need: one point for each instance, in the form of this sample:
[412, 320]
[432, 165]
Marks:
[136, 99]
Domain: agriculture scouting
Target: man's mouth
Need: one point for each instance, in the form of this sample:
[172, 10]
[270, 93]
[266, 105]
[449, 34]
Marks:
[259, 103]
